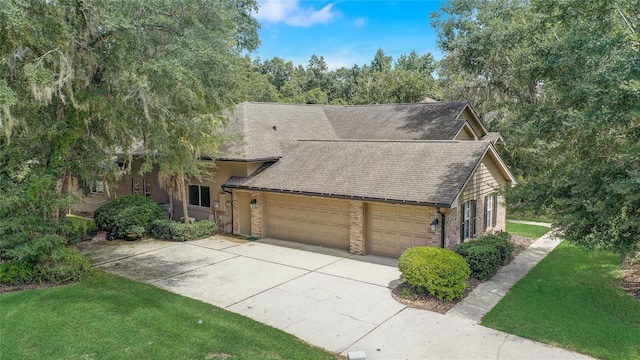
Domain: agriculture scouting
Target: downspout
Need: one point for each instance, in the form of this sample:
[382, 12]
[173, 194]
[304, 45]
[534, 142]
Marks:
[229, 192]
[443, 227]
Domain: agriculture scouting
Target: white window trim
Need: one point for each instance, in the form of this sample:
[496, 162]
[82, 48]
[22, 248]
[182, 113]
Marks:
[199, 196]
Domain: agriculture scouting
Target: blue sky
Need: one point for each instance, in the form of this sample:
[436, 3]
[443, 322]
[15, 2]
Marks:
[344, 32]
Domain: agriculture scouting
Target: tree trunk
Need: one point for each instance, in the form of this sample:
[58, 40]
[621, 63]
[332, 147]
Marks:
[185, 211]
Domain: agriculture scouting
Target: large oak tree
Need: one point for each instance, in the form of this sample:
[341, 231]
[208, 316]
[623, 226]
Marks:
[83, 80]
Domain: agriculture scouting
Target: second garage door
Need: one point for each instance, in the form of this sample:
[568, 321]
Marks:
[310, 220]
[391, 229]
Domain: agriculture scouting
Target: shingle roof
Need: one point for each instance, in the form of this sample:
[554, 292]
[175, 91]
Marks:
[422, 121]
[264, 125]
[424, 172]
[256, 121]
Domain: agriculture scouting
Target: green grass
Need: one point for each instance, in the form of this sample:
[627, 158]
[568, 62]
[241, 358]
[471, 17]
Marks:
[109, 317]
[571, 299]
[528, 215]
[526, 230]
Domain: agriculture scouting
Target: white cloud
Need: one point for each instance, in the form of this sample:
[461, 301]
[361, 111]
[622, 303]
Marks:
[360, 22]
[291, 13]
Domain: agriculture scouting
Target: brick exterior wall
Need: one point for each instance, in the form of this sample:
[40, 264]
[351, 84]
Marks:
[452, 227]
[236, 211]
[256, 216]
[356, 228]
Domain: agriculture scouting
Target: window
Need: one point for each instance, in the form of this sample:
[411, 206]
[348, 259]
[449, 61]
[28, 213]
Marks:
[97, 187]
[490, 211]
[199, 196]
[468, 216]
[135, 186]
[147, 187]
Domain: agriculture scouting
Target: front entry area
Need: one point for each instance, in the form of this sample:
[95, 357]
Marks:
[315, 221]
[391, 229]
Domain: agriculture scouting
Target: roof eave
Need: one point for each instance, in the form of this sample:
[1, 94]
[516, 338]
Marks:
[339, 196]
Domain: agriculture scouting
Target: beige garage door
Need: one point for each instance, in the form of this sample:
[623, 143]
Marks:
[391, 229]
[314, 221]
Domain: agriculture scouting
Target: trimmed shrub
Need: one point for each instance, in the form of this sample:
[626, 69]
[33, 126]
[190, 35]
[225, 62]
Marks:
[486, 254]
[171, 230]
[483, 259]
[75, 228]
[119, 216]
[502, 242]
[438, 272]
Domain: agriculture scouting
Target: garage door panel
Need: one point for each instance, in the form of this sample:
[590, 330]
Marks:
[315, 221]
[420, 212]
[390, 224]
[420, 227]
[405, 212]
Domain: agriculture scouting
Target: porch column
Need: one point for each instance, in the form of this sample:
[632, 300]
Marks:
[356, 228]
[256, 215]
[235, 212]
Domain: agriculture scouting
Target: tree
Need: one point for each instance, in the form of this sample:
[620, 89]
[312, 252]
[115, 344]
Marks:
[82, 79]
[564, 76]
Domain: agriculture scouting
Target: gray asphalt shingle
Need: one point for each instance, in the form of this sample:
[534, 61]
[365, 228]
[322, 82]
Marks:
[264, 125]
[427, 172]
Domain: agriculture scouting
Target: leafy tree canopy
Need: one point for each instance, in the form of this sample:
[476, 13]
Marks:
[83, 80]
[560, 80]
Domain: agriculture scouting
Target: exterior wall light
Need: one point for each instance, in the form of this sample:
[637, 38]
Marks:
[253, 203]
[434, 225]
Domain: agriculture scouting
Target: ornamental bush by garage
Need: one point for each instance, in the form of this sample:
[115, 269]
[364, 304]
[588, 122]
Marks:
[486, 254]
[123, 214]
[439, 272]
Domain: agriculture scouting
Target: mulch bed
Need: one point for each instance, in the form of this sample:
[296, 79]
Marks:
[405, 293]
[630, 280]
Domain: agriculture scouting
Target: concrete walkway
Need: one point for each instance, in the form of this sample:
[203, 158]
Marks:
[327, 297]
[484, 297]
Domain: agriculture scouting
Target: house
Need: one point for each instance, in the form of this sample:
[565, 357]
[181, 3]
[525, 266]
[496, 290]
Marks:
[373, 179]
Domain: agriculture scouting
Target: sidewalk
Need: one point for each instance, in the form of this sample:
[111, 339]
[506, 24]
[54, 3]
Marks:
[484, 297]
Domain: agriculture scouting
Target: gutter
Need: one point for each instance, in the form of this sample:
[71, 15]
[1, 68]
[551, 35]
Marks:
[339, 196]
[442, 217]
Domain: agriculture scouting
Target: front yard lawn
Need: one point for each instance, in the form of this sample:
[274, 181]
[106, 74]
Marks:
[572, 299]
[526, 230]
[110, 317]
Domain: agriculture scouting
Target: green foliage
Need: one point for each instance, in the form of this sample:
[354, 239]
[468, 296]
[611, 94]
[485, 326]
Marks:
[75, 228]
[409, 79]
[44, 258]
[559, 81]
[82, 81]
[485, 254]
[118, 217]
[171, 230]
[439, 272]
[483, 259]
[502, 242]
[15, 273]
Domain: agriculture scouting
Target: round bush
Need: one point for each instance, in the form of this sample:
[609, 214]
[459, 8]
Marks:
[483, 258]
[119, 216]
[439, 272]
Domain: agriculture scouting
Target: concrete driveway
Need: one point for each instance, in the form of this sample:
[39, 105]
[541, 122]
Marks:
[327, 297]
